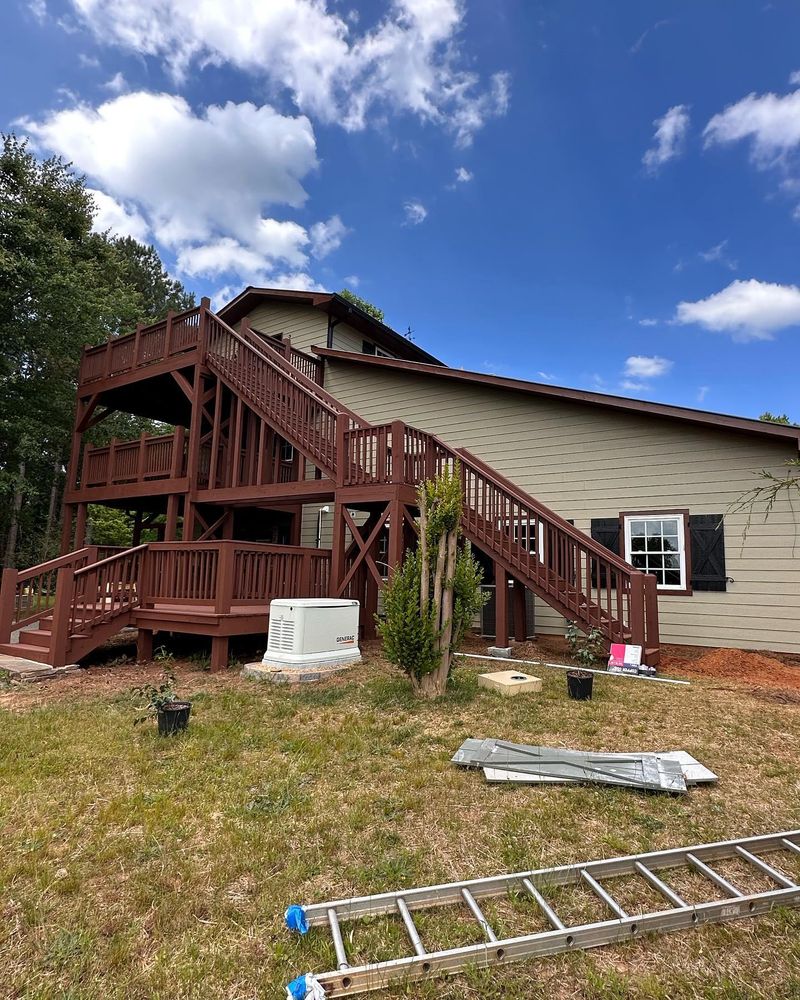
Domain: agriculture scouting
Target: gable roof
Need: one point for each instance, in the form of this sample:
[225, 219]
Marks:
[337, 307]
[622, 403]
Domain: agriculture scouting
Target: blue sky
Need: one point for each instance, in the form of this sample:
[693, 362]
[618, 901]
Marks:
[598, 194]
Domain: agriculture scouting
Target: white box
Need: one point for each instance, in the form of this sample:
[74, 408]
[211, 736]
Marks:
[312, 631]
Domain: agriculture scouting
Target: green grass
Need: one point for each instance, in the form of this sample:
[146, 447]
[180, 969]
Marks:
[135, 866]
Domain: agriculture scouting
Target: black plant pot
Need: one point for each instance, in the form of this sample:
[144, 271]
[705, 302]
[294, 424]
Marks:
[579, 684]
[174, 717]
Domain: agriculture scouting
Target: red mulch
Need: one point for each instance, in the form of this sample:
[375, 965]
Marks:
[758, 670]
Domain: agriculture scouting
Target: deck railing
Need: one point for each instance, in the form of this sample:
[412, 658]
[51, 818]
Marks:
[174, 335]
[148, 457]
[95, 586]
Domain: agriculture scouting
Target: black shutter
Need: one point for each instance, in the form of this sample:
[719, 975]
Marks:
[707, 540]
[606, 531]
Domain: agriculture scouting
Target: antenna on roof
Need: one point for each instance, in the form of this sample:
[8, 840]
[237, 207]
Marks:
[409, 333]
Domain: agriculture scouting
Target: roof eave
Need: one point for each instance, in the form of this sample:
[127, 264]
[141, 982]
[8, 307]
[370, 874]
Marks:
[721, 421]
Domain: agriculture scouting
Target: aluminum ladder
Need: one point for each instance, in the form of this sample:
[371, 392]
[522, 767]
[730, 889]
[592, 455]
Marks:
[677, 914]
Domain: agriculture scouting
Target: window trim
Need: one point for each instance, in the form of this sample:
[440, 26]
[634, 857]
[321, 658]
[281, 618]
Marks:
[683, 513]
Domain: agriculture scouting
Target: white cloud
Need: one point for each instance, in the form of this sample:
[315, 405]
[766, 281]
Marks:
[770, 122]
[546, 376]
[646, 321]
[794, 79]
[120, 220]
[411, 61]
[117, 84]
[352, 281]
[203, 193]
[641, 366]
[747, 310]
[415, 213]
[38, 8]
[463, 176]
[702, 392]
[327, 236]
[631, 385]
[88, 62]
[717, 254]
[669, 138]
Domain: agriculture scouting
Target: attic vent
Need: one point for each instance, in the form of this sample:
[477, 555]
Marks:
[281, 635]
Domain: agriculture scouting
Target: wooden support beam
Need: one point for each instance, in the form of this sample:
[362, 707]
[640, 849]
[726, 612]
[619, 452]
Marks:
[500, 606]
[219, 652]
[365, 547]
[144, 644]
[80, 526]
[171, 528]
[183, 384]
[519, 611]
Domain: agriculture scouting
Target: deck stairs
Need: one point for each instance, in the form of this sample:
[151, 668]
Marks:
[571, 572]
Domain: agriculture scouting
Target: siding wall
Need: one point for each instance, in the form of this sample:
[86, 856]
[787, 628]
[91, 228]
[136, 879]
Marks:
[306, 326]
[585, 462]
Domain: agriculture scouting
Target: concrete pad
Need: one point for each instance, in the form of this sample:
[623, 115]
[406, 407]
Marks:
[26, 671]
[510, 682]
[299, 674]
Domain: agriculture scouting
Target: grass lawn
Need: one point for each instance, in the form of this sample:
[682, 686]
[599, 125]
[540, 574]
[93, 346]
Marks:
[134, 866]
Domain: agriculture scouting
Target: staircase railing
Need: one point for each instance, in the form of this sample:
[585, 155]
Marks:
[101, 591]
[302, 411]
[556, 560]
[28, 596]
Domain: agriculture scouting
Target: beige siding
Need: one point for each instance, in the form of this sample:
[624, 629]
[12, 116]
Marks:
[586, 461]
[305, 325]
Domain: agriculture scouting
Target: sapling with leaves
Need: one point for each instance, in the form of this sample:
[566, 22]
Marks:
[155, 697]
[430, 600]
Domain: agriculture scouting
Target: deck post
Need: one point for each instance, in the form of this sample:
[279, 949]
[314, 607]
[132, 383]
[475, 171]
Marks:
[62, 613]
[225, 581]
[520, 617]
[396, 533]
[500, 606]
[651, 636]
[337, 550]
[636, 610]
[144, 644]
[80, 526]
[171, 527]
[342, 459]
[8, 601]
[219, 652]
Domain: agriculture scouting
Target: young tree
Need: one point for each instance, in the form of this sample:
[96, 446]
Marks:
[430, 601]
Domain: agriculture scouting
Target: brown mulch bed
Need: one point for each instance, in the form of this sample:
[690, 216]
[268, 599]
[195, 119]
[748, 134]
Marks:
[758, 670]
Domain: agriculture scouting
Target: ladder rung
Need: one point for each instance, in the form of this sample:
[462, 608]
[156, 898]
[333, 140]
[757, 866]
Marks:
[790, 846]
[548, 911]
[410, 926]
[471, 902]
[656, 883]
[338, 943]
[724, 884]
[608, 899]
[768, 870]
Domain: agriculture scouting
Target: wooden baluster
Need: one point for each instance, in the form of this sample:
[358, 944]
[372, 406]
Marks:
[168, 334]
[142, 470]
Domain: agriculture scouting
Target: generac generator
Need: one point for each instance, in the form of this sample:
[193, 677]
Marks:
[312, 631]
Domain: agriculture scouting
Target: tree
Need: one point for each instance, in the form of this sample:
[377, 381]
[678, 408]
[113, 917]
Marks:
[772, 487]
[430, 601]
[362, 304]
[61, 286]
[156, 291]
[774, 418]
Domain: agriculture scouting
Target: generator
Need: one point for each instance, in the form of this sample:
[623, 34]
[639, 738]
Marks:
[312, 632]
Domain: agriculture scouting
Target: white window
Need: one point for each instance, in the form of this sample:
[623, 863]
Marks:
[656, 543]
[520, 530]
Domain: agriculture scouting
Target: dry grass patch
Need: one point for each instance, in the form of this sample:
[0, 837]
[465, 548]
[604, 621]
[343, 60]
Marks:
[139, 867]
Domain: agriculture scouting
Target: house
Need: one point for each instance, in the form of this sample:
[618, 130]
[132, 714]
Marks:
[299, 430]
